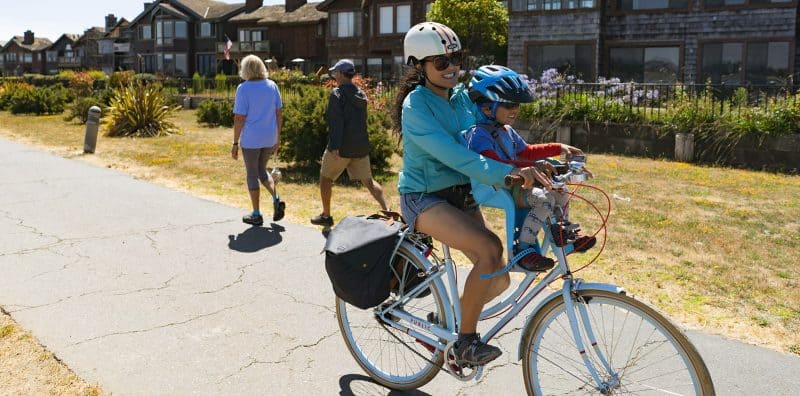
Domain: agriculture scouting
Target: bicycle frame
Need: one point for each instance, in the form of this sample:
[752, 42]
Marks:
[514, 302]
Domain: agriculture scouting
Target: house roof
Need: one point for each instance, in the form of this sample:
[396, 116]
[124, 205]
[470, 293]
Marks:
[276, 14]
[72, 37]
[114, 31]
[327, 3]
[169, 8]
[39, 43]
[199, 9]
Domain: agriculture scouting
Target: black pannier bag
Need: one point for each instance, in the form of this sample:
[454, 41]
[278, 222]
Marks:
[357, 255]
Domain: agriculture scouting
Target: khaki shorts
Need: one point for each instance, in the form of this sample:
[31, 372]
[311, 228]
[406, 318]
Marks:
[333, 166]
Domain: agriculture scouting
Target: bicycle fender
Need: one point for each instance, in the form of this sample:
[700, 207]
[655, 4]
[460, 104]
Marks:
[606, 287]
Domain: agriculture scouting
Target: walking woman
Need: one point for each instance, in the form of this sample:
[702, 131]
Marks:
[257, 130]
[435, 195]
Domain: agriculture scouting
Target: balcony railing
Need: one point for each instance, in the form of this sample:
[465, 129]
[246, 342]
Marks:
[69, 61]
[245, 46]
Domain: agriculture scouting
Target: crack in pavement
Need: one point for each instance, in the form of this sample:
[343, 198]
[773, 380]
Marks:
[281, 360]
[60, 300]
[241, 270]
[196, 317]
[163, 286]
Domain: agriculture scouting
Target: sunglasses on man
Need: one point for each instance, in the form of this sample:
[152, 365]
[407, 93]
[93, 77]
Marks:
[442, 62]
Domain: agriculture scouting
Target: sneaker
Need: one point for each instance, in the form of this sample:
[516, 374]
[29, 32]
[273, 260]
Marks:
[322, 220]
[471, 351]
[584, 243]
[253, 220]
[563, 233]
[535, 262]
[279, 207]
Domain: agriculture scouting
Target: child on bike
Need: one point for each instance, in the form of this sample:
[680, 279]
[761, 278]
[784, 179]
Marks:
[498, 91]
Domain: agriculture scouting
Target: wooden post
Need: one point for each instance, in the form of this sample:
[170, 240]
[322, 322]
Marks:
[684, 147]
[563, 134]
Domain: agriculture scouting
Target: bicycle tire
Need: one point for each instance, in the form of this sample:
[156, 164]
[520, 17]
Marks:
[360, 328]
[549, 370]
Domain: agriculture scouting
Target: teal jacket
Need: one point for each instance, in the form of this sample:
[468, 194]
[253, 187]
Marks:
[435, 155]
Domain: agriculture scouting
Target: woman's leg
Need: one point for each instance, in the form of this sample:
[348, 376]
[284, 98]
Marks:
[251, 160]
[263, 176]
[467, 233]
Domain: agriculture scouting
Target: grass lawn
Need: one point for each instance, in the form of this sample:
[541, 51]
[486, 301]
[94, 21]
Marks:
[714, 248]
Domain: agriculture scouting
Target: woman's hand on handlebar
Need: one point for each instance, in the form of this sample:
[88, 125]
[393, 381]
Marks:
[569, 151]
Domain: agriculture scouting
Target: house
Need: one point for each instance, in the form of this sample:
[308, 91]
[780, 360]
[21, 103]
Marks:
[24, 54]
[88, 48]
[371, 32]
[61, 54]
[180, 37]
[722, 41]
[114, 47]
[291, 35]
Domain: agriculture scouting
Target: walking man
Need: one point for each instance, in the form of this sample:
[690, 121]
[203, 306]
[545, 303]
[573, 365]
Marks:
[348, 142]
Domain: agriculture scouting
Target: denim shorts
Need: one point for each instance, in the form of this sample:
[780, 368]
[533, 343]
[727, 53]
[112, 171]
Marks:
[413, 204]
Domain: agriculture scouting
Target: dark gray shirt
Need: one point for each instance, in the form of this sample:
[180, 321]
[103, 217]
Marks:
[347, 119]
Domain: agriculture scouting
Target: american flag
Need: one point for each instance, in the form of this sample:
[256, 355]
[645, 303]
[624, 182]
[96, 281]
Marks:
[228, 45]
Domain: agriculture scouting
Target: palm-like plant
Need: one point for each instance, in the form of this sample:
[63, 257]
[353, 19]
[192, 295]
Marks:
[139, 110]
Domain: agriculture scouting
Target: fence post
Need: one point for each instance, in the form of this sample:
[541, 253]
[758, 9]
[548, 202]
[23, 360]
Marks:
[90, 139]
[684, 147]
[563, 134]
[187, 102]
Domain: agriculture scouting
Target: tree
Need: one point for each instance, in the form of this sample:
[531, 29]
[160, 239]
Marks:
[482, 26]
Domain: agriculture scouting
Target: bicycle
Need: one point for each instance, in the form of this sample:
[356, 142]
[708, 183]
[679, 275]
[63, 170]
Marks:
[586, 338]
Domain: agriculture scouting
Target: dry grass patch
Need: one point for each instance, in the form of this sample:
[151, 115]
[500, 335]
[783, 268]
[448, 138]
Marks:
[714, 248]
[28, 369]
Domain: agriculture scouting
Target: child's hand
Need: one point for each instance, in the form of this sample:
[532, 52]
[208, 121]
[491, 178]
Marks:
[569, 151]
[531, 175]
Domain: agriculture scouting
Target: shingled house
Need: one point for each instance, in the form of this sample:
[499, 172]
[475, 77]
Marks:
[114, 48]
[179, 37]
[61, 54]
[282, 34]
[370, 32]
[722, 41]
[24, 54]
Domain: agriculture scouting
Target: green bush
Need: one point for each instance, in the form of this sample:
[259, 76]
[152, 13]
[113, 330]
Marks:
[198, 83]
[144, 77]
[8, 89]
[80, 108]
[139, 110]
[120, 79]
[221, 83]
[47, 100]
[215, 113]
[305, 131]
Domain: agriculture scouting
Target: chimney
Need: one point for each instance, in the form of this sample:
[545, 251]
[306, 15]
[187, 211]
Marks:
[28, 38]
[292, 5]
[147, 5]
[111, 20]
[252, 5]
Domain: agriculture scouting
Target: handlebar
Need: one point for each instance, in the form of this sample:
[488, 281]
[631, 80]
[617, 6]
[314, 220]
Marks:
[570, 171]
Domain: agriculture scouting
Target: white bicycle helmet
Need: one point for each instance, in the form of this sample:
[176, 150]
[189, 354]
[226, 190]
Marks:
[429, 39]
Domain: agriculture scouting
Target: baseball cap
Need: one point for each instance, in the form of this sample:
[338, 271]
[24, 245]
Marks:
[345, 66]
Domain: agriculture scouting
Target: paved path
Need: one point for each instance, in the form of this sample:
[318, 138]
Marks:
[148, 291]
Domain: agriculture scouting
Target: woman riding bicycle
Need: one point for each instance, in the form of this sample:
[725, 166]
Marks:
[432, 110]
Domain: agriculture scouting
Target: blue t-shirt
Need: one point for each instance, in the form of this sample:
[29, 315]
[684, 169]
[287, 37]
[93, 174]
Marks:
[258, 101]
[480, 139]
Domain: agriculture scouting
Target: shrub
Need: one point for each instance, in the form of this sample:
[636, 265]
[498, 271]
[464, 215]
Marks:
[198, 83]
[144, 77]
[215, 113]
[81, 84]
[47, 100]
[97, 75]
[80, 108]
[8, 89]
[221, 83]
[305, 131]
[120, 79]
[139, 110]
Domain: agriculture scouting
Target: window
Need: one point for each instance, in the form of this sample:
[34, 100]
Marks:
[27, 58]
[549, 5]
[206, 29]
[767, 63]
[722, 3]
[180, 29]
[146, 32]
[252, 35]
[398, 66]
[52, 56]
[632, 5]
[165, 32]
[570, 59]
[394, 19]
[11, 56]
[650, 65]
[345, 24]
[722, 63]
[206, 64]
[181, 66]
[147, 63]
[374, 68]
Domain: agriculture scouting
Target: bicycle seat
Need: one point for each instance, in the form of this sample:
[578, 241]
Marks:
[501, 198]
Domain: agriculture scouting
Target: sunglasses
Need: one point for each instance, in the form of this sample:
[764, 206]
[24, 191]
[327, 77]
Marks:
[442, 62]
[509, 106]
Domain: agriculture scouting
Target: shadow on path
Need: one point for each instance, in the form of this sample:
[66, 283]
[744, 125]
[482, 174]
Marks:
[254, 238]
[357, 384]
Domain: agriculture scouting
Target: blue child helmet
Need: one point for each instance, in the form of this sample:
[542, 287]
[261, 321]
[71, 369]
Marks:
[494, 83]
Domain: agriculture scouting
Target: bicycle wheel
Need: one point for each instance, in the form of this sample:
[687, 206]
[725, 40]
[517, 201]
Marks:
[646, 351]
[389, 361]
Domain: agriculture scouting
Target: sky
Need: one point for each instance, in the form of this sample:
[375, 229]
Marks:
[52, 18]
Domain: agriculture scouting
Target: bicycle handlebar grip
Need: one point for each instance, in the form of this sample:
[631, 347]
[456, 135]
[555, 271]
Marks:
[514, 180]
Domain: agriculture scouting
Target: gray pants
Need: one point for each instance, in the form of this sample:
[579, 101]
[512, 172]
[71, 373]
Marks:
[255, 163]
[542, 204]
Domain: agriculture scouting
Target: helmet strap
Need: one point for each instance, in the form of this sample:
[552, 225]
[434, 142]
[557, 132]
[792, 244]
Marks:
[494, 112]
